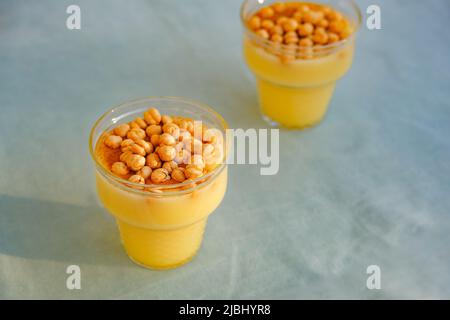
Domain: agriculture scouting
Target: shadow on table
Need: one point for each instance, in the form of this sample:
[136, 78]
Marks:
[60, 232]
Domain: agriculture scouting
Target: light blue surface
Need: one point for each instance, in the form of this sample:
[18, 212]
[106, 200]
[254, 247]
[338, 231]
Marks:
[371, 185]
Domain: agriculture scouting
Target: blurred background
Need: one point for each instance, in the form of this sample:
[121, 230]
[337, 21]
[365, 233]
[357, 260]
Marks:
[370, 185]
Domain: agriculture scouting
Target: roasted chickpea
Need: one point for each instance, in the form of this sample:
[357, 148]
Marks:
[113, 142]
[166, 119]
[122, 130]
[277, 30]
[166, 153]
[137, 179]
[140, 122]
[154, 139]
[254, 23]
[167, 139]
[135, 162]
[124, 156]
[336, 26]
[279, 7]
[148, 147]
[152, 116]
[277, 38]
[136, 134]
[266, 12]
[197, 162]
[305, 29]
[323, 23]
[281, 20]
[159, 175]
[145, 172]
[290, 25]
[178, 174]
[263, 33]
[119, 168]
[306, 42]
[170, 166]
[267, 24]
[153, 129]
[172, 129]
[320, 38]
[193, 173]
[153, 161]
[332, 37]
[137, 149]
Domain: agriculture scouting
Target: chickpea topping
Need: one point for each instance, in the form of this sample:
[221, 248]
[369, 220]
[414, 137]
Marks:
[124, 156]
[152, 116]
[160, 175]
[178, 175]
[196, 162]
[153, 161]
[137, 149]
[277, 30]
[263, 33]
[279, 7]
[323, 23]
[172, 129]
[170, 166]
[113, 142]
[154, 139]
[134, 125]
[193, 145]
[136, 134]
[290, 25]
[277, 38]
[145, 172]
[167, 153]
[267, 24]
[148, 147]
[163, 149]
[167, 139]
[135, 162]
[137, 179]
[281, 20]
[166, 119]
[126, 143]
[266, 12]
[193, 173]
[254, 23]
[303, 8]
[208, 149]
[314, 24]
[182, 156]
[291, 37]
[320, 38]
[119, 168]
[153, 129]
[184, 134]
[305, 29]
[140, 122]
[306, 42]
[336, 26]
[122, 130]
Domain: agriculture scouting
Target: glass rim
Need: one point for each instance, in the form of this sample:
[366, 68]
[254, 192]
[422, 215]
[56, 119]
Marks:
[172, 188]
[329, 46]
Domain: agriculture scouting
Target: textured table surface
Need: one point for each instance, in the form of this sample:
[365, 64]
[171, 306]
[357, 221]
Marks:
[370, 185]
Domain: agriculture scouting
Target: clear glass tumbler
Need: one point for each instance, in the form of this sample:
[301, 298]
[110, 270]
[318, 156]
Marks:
[161, 226]
[295, 92]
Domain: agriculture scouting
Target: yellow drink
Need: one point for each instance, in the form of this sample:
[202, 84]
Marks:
[166, 231]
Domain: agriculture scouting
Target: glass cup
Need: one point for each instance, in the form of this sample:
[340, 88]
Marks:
[295, 84]
[161, 226]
